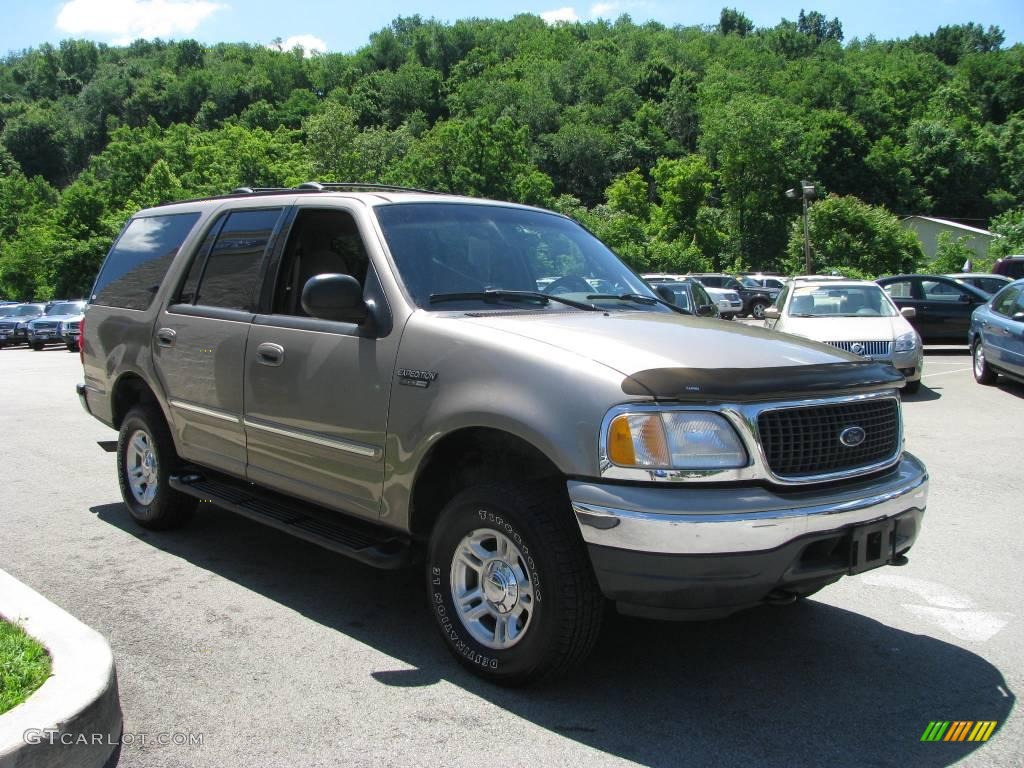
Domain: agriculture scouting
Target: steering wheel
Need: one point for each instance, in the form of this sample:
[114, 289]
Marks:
[570, 284]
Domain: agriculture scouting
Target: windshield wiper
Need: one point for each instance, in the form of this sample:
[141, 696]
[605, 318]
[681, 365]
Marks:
[496, 295]
[639, 298]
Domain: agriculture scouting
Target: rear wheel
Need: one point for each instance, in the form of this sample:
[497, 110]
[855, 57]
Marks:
[510, 583]
[983, 373]
[145, 460]
[36, 345]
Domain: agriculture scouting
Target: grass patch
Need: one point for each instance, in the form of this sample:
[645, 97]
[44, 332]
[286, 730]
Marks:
[24, 665]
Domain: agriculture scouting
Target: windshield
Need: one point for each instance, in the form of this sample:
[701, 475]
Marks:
[841, 301]
[26, 310]
[462, 248]
[66, 308]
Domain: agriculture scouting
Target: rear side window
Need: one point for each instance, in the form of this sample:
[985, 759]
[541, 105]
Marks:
[232, 269]
[137, 263]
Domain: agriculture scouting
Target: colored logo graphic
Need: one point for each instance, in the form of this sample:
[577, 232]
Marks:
[958, 730]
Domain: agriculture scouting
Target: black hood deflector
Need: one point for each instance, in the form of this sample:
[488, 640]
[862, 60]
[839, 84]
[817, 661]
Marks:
[738, 384]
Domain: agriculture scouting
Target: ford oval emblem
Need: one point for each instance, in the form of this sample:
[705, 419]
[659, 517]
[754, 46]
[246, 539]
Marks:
[851, 437]
[858, 349]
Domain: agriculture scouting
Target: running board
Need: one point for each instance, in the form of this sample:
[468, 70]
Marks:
[362, 541]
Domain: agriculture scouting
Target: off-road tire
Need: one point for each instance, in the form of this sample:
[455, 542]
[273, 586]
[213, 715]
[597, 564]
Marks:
[567, 605]
[168, 508]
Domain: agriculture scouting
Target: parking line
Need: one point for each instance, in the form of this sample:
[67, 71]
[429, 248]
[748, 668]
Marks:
[943, 373]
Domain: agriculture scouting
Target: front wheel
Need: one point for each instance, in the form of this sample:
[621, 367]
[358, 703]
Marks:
[145, 460]
[757, 309]
[36, 345]
[510, 583]
[983, 373]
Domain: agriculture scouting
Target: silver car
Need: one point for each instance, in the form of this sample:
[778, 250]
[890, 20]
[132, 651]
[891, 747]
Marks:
[854, 315]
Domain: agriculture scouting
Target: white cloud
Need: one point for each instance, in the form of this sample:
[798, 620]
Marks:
[309, 44]
[565, 15]
[122, 21]
[603, 10]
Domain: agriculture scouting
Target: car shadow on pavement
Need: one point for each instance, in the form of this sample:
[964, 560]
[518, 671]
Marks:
[805, 684]
[923, 395]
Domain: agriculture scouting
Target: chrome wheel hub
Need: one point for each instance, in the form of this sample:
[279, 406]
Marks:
[491, 588]
[979, 360]
[141, 467]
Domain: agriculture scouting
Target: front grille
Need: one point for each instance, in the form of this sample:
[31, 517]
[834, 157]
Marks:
[7, 326]
[45, 326]
[867, 348]
[804, 442]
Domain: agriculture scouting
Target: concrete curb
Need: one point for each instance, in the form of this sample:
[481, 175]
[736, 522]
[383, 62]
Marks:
[74, 719]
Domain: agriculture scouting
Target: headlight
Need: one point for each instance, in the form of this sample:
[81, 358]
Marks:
[906, 342]
[674, 440]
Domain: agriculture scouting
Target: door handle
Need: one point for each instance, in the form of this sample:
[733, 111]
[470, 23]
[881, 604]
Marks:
[270, 354]
[165, 337]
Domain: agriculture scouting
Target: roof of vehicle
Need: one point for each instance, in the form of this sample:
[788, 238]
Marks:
[802, 278]
[371, 194]
[956, 275]
[839, 283]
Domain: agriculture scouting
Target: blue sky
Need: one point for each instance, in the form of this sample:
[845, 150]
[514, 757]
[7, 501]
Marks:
[340, 26]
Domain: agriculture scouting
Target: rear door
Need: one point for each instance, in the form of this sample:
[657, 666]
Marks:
[317, 391]
[199, 338]
[948, 307]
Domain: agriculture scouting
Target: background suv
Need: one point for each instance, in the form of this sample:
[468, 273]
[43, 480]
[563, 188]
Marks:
[755, 298]
[48, 328]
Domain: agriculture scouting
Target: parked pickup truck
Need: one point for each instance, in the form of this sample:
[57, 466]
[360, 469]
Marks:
[375, 370]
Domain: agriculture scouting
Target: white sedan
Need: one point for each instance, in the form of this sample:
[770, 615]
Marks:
[853, 315]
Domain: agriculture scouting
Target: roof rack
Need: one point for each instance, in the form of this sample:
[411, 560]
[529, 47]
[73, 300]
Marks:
[321, 186]
[307, 187]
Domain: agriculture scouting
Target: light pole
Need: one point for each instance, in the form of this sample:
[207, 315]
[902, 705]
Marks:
[806, 193]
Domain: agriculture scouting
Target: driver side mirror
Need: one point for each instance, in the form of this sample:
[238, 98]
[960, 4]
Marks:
[909, 312]
[1018, 317]
[771, 313]
[335, 297]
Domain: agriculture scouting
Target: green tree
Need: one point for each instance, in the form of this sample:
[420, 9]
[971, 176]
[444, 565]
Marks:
[951, 253]
[1011, 226]
[852, 237]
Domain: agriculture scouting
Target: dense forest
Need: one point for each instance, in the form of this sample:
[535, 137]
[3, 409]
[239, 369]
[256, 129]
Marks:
[674, 145]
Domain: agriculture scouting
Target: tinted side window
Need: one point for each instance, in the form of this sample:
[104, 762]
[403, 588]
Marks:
[1003, 303]
[232, 269]
[901, 289]
[137, 263]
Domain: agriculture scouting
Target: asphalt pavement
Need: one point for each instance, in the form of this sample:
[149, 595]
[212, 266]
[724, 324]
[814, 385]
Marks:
[237, 645]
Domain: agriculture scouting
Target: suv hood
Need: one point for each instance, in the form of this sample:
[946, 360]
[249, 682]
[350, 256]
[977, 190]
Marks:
[677, 357]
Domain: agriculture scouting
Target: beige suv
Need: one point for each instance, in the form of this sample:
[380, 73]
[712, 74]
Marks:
[484, 388]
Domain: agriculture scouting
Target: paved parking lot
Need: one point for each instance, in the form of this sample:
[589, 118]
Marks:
[281, 654]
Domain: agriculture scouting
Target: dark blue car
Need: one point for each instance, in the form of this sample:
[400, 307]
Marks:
[996, 336]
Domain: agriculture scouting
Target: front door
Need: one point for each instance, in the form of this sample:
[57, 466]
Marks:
[317, 391]
[200, 338]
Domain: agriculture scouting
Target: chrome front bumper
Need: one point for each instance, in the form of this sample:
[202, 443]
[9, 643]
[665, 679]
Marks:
[687, 519]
